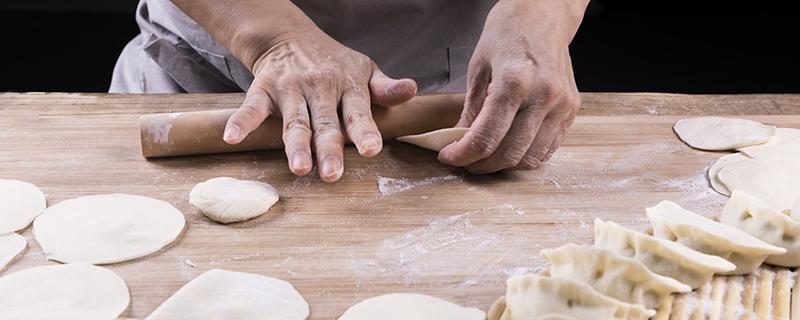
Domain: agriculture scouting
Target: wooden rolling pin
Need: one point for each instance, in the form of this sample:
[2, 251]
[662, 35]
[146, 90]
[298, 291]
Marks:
[200, 132]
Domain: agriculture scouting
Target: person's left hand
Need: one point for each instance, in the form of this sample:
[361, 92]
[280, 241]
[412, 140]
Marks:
[521, 93]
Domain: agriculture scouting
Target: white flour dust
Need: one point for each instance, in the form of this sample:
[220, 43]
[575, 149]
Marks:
[388, 186]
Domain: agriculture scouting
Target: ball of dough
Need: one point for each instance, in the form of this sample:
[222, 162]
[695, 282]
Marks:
[229, 200]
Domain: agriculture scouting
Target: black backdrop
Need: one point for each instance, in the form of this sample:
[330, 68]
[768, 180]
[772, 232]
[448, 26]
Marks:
[669, 46]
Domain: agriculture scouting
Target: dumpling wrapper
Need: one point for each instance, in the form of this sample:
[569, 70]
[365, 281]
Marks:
[713, 171]
[661, 256]
[786, 142]
[749, 214]
[672, 222]
[616, 276]
[11, 245]
[20, 203]
[78, 291]
[717, 133]
[435, 140]
[775, 180]
[228, 200]
[410, 306]
[533, 297]
[108, 228]
[222, 294]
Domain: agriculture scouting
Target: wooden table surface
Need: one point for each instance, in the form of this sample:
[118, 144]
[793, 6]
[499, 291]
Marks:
[439, 231]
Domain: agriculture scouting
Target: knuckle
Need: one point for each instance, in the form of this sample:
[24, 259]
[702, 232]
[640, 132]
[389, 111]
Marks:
[513, 155]
[514, 81]
[296, 122]
[529, 163]
[482, 145]
[356, 116]
[250, 111]
[549, 91]
[325, 125]
[320, 77]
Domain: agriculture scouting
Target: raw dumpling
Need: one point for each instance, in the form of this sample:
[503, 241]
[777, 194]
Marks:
[20, 202]
[533, 297]
[716, 133]
[662, 256]
[713, 171]
[222, 294]
[499, 306]
[672, 222]
[775, 180]
[786, 142]
[410, 306]
[435, 140]
[229, 200]
[751, 215]
[611, 274]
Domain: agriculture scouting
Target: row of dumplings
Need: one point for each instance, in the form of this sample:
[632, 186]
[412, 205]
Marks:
[626, 274]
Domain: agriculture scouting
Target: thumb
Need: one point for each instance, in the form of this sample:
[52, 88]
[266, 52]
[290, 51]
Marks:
[390, 92]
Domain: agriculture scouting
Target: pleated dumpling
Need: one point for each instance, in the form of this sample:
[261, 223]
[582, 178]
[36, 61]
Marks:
[661, 256]
[616, 276]
[534, 297]
[672, 222]
[749, 214]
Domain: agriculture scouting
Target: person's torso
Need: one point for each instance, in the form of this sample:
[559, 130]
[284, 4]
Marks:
[430, 41]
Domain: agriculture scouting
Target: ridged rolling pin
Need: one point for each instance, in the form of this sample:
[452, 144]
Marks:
[200, 132]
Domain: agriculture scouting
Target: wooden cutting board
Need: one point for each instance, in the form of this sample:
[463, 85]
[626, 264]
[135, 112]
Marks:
[435, 230]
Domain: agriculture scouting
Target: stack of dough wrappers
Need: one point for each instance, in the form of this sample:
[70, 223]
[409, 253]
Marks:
[668, 273]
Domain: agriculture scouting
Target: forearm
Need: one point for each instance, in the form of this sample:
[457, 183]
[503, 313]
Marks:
[556, 20]
[248, 28]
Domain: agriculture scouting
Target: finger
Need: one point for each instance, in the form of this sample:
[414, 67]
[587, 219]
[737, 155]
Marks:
[389, 92]
[515, 144]
[256, 107]
[477, 82]
[488, 129]
[361, 128]
[296, 131]
[328, 139]
[548, 131]
[556, 143]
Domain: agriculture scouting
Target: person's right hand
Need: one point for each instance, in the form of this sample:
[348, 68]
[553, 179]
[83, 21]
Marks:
[304, 78]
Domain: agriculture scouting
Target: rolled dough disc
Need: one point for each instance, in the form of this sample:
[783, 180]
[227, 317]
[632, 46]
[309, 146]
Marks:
[713, 171]
[716, 133]
[107, 228]
[20, 202]
[775, 180]
[410, 306]
[11, 245]
[229, 200]
[77, 291]
[435, 140]
[222, 294]
[786, 142]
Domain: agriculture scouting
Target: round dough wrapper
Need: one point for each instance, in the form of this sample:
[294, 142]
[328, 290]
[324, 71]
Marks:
[221, 294]
[713, 171]
[229, 200]
[435, 140]
[716, 133]
[20, 202]
[107, 228]
[786, 142]
[776, 180]
[11, 245]
[410, 306]
[77, 291]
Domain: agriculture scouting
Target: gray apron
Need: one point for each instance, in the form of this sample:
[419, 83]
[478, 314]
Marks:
[430, 41]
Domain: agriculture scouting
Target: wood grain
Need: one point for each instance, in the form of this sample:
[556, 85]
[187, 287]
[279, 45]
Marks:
[458, 236]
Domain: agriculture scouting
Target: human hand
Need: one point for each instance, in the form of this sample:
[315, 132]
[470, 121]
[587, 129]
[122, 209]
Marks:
[521, 93]
[304, 78]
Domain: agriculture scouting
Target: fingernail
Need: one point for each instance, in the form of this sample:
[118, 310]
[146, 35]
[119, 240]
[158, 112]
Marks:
[300, 163]
[331, 169]
[232, 134]
[370, 145]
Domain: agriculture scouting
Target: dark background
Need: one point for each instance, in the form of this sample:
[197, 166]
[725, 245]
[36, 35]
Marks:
[669, 46]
